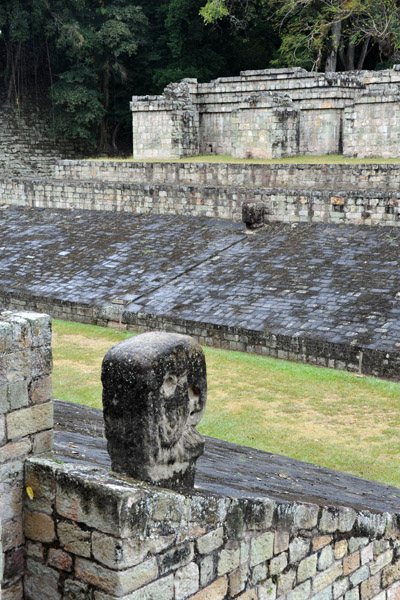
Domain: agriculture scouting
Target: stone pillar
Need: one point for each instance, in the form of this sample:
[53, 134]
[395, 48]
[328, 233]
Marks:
[165, 126]
[26, 427]
[154, 395]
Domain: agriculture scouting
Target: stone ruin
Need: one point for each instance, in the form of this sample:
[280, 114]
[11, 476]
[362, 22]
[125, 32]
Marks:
[72, 529]
[272, 113]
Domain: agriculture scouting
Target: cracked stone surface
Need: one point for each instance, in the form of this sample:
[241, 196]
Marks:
[335, 283]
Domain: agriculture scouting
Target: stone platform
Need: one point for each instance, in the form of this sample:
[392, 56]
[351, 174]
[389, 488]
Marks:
[324, 294]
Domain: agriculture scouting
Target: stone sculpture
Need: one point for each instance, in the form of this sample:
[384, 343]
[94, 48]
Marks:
[154, 395]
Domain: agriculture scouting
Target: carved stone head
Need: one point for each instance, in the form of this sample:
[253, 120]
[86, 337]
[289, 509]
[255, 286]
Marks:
[154, 395]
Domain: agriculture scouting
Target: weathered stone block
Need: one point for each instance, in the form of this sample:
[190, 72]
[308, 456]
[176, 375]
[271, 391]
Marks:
[211, 541]
[74, 539]
[30, 420]
[39, 526]
[186, 581]
[307, 568]
[261, 548]
[154, 438]
[116, 582]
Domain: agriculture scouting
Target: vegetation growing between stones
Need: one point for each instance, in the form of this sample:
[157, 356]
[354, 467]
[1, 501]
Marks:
[326, 417]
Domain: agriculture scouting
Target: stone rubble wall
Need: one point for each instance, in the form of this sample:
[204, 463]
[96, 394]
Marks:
[26, 427]
[94, 534]
[320, 98]
[353, 207]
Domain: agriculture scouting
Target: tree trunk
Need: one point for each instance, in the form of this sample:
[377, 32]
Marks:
[103, 144]
[12, 84]
[363, 53]
[114, 137]
[336, 34]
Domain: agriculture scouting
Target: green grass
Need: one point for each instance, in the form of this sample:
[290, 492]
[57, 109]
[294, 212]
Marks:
[330, 418]
[327, 159]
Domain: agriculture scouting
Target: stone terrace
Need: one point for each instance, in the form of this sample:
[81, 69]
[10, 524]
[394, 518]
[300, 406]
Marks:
[322, 294]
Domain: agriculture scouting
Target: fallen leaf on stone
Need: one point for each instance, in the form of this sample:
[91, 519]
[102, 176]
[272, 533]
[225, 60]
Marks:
[283, 475]
[29, 492]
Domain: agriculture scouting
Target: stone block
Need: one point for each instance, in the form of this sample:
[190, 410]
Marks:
[286, 582]
[207, 570]
[371, 587]
[381, 561]
[359, 576]
[306, 516]
[307, 568]
[278, 564]
[261, 548]
[351, 563]
[281, 541]
[211, 541]
[392, 592]
[74, 539]
[40, 582]
[391, 573]
[117, 583]
[216, 591]
[17, 395]
[59, 560]
[367, 554]
[41, 390]
[39, 527]
[320, 541]
[298, 549]
[326, 578]
[116, 553]
[186, 581]
[267, 590]
[340, 549]
[177, 556]
[30, 420]
[325, 558]
[228, 560]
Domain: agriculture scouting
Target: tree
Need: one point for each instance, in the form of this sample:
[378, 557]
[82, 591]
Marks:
[317, 32]
[95, 44]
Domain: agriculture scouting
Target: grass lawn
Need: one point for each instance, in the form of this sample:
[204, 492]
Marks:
[326, 417]
[327, 159]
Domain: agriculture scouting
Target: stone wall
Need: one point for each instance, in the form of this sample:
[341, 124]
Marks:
[293, 176]
[320, 98]
[282, 205]
[26, 427]
[265, 126]
[92, 534]
[378, 363]
[372, 124]
[27, 147]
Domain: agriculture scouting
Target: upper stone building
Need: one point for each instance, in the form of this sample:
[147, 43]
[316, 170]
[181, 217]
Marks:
[271, 114]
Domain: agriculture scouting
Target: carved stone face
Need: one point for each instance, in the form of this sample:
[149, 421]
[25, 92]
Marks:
[154, 395]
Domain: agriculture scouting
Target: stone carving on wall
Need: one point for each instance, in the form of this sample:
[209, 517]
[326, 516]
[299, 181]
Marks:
[154, 396]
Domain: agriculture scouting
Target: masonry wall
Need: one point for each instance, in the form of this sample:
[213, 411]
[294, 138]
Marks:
[283, 205]
[304, 349]
[346, 176]
[95, 535]
[26, 144]
[372, 125]
[26, 427]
